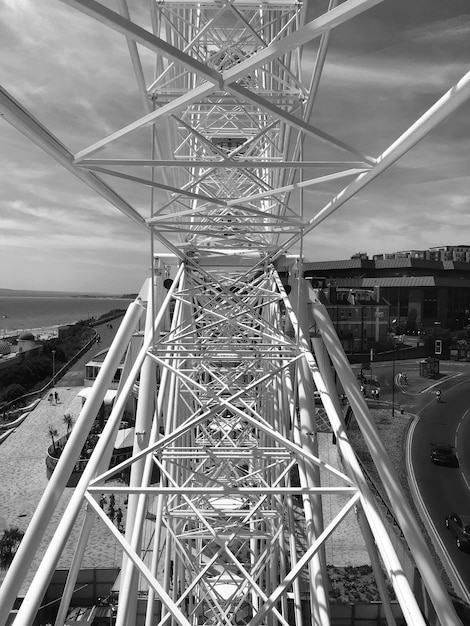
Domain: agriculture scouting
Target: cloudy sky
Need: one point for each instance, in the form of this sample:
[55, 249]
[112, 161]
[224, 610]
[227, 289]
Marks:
[384, 71]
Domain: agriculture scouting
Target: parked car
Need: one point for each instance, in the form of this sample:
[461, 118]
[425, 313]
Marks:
[444, 454]
[459, 526]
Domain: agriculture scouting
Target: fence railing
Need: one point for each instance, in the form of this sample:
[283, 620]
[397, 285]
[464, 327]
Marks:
[401, 354]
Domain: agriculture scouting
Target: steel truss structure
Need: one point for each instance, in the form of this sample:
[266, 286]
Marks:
[226, 469]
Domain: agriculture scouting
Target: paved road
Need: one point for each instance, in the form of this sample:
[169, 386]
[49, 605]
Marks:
[445, 490]
[439, 490]
[76, 375]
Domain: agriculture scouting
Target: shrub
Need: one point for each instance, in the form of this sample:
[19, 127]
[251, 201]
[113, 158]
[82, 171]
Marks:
[33, 372]
[9, 543]
[12, 392]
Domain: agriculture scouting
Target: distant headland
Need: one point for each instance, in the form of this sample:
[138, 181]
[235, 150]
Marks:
[31, 293]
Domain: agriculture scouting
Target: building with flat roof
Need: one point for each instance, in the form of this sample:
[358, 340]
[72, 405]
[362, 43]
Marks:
[360, 316]
[418, 289]
[460, 254]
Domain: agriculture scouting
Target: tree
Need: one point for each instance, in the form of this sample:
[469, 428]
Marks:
[53, 432]
[13, 391]
[9, 543]
[68, 421]
[35, 371]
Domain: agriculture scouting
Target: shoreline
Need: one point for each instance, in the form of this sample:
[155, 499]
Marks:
[51, 331]
[44, 315]
[41, 333]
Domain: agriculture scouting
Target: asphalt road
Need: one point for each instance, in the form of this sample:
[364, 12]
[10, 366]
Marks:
[441, 490]
[445, 490]
[76, 374]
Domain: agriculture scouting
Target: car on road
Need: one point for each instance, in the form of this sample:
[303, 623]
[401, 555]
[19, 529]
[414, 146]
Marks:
[459, 526]
[444, 454]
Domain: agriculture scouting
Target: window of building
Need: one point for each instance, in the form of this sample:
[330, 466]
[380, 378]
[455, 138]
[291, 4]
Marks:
[430, 304]
[91, 372]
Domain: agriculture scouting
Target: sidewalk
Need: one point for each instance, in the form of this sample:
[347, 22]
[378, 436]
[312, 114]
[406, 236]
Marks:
[76, 374]
[416, 384]
[23, 480]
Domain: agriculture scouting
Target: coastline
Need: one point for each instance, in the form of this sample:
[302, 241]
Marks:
[24, 476]
[41, 333]
[43, 316]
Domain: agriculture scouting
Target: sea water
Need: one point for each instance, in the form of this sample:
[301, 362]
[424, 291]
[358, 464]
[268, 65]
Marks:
[42, 315]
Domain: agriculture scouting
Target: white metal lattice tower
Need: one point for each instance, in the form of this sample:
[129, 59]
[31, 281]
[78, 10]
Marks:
[226, 469]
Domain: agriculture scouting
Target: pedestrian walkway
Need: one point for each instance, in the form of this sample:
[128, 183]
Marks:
[411, 383]
[346, 546]
[23, 480]
[76, 374]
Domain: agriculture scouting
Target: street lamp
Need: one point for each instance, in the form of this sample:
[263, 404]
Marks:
[53, 367]
[394, 322]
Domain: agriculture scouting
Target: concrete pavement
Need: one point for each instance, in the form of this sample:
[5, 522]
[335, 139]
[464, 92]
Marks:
[107, 331]
[23, 480]
[23, 470]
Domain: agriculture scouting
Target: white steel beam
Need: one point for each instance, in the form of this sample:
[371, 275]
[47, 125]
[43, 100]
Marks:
[445, 106]
[20, 118]
[408, 524]
[296, 122]
[135, 33]
[303, 35]
[239, 162]
[43, 514]
[302, 185]
[316, 28]
[102, 452]
[410, 607]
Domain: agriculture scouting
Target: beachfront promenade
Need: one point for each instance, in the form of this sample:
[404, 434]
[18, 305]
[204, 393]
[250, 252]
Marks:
[23, 469]
[23, 480]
